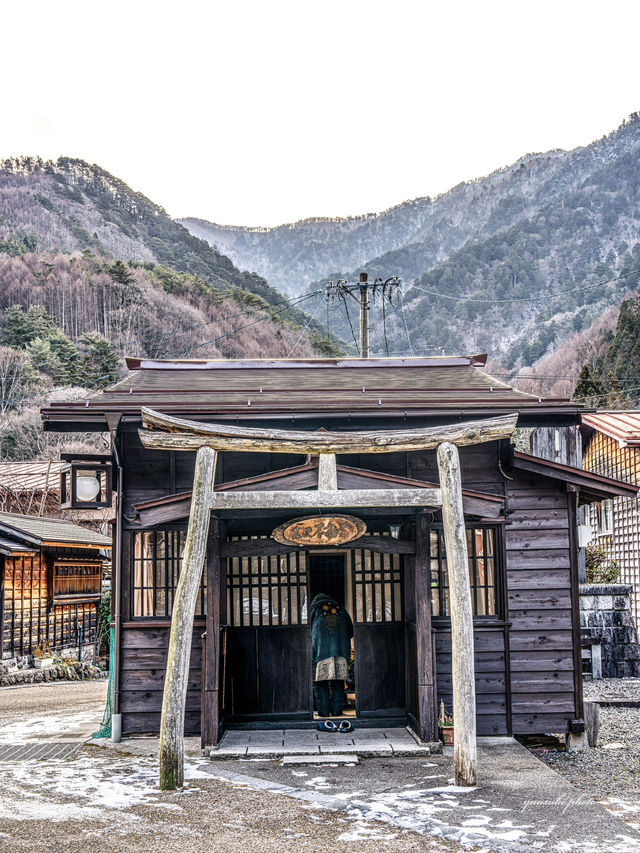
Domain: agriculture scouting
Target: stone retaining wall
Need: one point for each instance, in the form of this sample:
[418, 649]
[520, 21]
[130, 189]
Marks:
[67, 671]
[605, 616]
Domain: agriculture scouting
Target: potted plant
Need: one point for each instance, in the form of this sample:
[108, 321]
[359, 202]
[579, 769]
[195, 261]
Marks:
[445, 726]
[42, 655]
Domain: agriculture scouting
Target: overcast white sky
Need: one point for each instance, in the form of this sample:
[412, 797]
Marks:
[258, 112]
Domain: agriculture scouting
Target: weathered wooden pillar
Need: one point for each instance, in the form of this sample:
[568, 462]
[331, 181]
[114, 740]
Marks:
[424, 651]
[210, 711]
[184, 605]
[463, 676]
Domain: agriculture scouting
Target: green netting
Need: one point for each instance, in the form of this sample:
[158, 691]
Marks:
[105, 726]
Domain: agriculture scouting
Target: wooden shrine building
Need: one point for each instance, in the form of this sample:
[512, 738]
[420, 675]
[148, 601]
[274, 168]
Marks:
[50, 585]
[251, 652]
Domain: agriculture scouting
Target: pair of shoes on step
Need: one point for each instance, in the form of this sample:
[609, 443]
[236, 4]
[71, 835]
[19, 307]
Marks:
[329, 726]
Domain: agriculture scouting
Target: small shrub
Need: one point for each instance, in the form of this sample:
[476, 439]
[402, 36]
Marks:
[599, 567]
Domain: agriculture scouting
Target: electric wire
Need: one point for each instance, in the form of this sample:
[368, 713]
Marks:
[538, 298]
[384, 324]
[163, 338]
[41, 394]
[239, 329]
[302, 333]
[404, 320]
[353, 334]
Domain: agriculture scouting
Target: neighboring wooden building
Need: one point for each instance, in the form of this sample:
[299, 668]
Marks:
[254, 599]
[50, 584]
[31, 488]
[611, 446]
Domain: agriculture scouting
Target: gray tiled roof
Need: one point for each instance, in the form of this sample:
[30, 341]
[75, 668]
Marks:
[51, 530]
[309, 387]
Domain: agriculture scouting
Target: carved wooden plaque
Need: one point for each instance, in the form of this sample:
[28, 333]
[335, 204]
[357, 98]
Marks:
[320, 530]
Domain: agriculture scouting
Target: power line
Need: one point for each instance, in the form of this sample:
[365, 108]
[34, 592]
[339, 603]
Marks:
[346, 308]
[404, 320]
[240, 328]
[269, 306]
[309, 321]
[538, 298]
[41, 394]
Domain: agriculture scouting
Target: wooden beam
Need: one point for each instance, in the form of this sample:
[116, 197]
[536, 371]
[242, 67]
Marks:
[327, 472]
[165, 432]
[463, 676]
[424, 643]
[326, 499]
[210, 708]
[184, 606]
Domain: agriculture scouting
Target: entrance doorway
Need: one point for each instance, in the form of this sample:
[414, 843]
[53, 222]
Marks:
[266, 668]
[328, 574]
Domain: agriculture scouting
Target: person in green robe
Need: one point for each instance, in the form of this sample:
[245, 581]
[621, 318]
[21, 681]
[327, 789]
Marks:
[331, 632]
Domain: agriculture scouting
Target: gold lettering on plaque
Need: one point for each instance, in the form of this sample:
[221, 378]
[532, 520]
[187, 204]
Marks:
[320, 530]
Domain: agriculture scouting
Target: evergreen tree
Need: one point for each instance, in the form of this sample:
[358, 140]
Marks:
[100, 363]
[68, 355]
[14, 327]
[121, 273]
[588, 386]
[20, 328]
[44, 361]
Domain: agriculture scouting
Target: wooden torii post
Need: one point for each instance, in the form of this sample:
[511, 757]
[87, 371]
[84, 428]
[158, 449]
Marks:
[164, 432]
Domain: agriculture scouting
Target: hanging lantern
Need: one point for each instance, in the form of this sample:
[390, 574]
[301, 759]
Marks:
[85, 483]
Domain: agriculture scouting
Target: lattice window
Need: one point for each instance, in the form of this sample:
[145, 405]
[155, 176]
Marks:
[376, 586]
[267, 591]
[77, 579]
[157, 560]
[481, 546]
[604, 515]
[605, 456]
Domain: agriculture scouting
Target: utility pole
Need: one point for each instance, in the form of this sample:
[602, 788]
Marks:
[364, 315]
[343, 288]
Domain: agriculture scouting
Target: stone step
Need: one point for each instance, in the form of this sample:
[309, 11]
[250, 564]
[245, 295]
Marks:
[320, 759]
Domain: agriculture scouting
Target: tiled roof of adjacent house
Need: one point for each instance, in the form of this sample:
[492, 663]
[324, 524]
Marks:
[37, 530]
[624, 426]
[448, 387]
[28, 476]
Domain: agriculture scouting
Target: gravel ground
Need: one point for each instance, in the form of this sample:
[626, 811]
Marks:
[610, 688]
[68, 697]
[610, 773]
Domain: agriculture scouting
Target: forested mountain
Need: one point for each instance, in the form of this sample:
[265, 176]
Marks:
[91, 271]
[511, 264]
[70, 205]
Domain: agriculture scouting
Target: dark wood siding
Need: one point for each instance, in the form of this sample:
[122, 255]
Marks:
[539, 599]
[491, 690]
[142, 669]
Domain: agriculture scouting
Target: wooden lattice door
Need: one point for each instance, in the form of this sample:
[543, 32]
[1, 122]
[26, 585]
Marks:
[267, 662]
[379, 636]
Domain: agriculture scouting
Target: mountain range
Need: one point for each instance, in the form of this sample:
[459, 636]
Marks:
[69, 205]
[511, 264]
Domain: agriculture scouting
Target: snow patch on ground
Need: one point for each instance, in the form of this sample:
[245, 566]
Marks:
[36, 728]
[84, 788]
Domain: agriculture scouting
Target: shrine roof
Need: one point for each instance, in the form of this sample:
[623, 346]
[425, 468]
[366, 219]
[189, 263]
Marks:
[449, 387]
